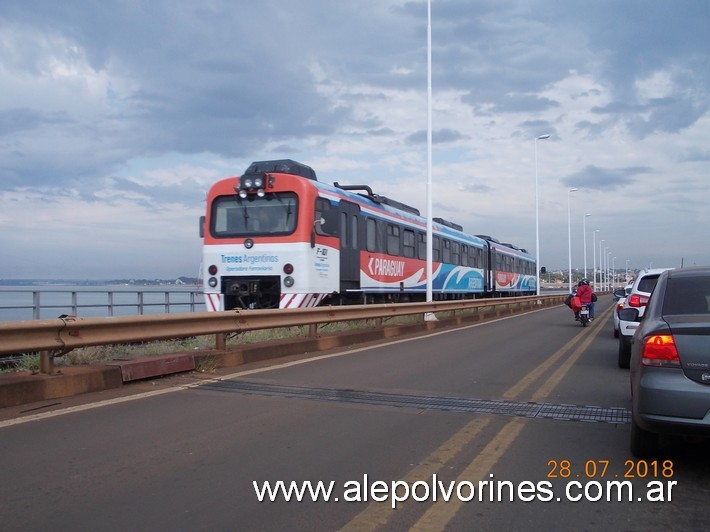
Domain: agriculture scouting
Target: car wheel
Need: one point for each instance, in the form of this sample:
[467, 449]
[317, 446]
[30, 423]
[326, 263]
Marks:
[624, 354]
[616, 333]
[644, 444]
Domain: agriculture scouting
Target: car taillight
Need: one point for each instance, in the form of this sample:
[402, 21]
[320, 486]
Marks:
[619, 306]
[637, 300]
[660, 350]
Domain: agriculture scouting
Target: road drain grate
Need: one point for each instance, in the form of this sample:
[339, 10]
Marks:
[593, 414]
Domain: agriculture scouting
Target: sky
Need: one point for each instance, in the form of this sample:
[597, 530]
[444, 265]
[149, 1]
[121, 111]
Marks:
[116, 116]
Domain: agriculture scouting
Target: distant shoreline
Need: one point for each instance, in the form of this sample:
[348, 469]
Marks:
[180, 281]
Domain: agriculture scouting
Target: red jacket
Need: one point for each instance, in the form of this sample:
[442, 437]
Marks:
[584, 293]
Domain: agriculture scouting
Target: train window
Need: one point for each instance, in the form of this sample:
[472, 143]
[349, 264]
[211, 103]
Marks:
[343, 230]
[353, 234]
[446, 256]
[273, 214]
[392, 239]
[436, 250]
[325, 218]
[408, 243]
[455, 253]
[371, 237]
[464, 255]
[421, 245]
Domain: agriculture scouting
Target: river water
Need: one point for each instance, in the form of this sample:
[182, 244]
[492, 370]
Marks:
[51, 301]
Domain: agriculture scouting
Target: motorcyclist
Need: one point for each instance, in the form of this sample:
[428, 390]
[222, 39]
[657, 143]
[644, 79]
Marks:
[584, 293]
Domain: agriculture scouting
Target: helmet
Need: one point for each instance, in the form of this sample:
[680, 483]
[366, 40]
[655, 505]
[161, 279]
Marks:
[584, 281]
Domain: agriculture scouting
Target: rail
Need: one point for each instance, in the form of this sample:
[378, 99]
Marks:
[58, 336]
[35, 303]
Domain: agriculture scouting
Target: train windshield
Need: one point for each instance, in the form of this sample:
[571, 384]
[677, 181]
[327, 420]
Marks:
[273, 214]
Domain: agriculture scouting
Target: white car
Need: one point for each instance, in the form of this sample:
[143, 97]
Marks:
[621, 295]
[638, 298]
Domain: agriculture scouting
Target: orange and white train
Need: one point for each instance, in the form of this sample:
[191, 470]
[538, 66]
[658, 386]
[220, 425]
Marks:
[276, 237]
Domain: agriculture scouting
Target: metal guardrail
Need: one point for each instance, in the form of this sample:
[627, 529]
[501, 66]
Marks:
[58, 336]
[112, 301]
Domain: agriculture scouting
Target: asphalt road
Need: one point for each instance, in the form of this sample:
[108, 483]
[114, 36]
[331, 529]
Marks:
[531, 407]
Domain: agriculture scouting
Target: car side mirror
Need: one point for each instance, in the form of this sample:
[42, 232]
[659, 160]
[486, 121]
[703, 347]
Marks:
[619, 293]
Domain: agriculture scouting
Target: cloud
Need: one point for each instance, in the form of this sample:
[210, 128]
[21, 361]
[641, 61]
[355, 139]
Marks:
[134, 109]
[593, 177]
[440, 136]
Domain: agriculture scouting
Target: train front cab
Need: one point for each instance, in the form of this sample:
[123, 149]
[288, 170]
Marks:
[268, 243]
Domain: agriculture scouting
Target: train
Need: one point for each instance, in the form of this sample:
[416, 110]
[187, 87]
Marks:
[277, 237]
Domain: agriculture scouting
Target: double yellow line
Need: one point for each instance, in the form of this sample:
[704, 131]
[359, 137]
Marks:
[439, 514]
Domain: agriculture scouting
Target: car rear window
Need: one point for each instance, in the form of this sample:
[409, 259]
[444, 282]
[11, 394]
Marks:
[687, 295]
[647, 284]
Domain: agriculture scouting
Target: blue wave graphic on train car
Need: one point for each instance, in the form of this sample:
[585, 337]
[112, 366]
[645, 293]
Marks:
[458, 278]
[528, 282]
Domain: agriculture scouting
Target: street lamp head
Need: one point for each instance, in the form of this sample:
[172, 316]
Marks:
[573, 189]
[543, 137]
[588, 214]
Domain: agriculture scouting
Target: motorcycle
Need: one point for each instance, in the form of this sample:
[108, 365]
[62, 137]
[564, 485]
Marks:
[584, 315]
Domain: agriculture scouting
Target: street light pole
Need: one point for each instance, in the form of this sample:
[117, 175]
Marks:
[429, 207]
[569, 234]
[584, 230]
[594, 261]
[626, 274]
[608, 269]
[537, 220]
[601, 261]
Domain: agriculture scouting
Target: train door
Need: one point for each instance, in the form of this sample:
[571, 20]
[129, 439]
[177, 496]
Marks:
[489, 268]
[349, 245]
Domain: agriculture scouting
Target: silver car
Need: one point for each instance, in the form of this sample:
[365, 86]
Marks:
[620, 294]
[670, 360]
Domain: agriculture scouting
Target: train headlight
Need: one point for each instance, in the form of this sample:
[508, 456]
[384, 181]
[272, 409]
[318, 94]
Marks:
[212, 282]
[253, 183]
[212, 270]
[288, 281]
[288, 268]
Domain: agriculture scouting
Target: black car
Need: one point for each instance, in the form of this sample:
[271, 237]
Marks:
[670, 360]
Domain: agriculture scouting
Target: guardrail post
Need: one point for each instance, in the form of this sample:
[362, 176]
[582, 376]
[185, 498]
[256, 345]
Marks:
[36, 305]
[46, 362]
[313, 330]
[220, 341]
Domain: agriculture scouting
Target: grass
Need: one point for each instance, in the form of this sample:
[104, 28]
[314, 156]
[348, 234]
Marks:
[28, 362]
